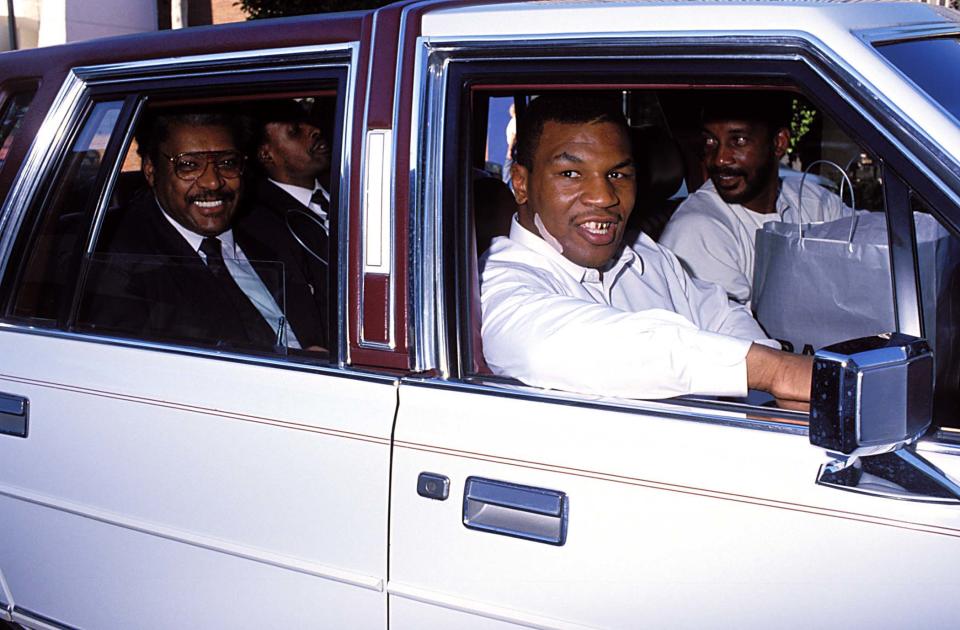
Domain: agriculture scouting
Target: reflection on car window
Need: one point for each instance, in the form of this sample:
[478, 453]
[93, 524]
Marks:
[13, 114]
[53, 262]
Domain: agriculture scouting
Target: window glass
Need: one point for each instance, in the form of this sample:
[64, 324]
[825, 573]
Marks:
[13, 114]
[219, 229]
[938, 263]
[933, 64]
[45, 288]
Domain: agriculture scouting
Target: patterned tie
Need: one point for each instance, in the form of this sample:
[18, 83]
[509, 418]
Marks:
[257, 330]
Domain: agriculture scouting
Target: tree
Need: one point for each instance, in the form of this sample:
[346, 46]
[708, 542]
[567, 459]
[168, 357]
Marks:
[258, 9]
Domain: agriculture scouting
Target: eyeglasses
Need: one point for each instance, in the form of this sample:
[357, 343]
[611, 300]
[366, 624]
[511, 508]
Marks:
[190, 166]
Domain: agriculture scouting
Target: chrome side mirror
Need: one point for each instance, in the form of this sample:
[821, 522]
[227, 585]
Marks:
[871, 399]
[871, 395]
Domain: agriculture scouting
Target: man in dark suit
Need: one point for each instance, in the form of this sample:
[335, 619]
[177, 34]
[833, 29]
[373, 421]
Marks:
[179, 266]
[291, 189]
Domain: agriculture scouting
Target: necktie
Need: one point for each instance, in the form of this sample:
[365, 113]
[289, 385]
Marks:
[320, 199]
[257, 330]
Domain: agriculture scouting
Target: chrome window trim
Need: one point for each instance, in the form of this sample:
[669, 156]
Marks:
[326, 369]
[879, 36]
[70, 103]
[434, 56]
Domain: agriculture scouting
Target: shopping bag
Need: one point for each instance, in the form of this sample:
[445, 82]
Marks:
[820, 283]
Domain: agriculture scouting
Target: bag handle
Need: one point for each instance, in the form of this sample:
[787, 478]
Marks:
[845, 180]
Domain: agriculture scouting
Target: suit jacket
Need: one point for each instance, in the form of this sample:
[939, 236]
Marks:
[272, 213]
[147, 281]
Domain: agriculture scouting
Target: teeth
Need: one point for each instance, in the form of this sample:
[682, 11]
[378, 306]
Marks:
[209, 204]
[597, 227]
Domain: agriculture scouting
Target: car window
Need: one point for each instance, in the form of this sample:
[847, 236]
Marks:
[184, 236]
[810, 303]
[44, 289]
[938, 265]
[13, 112]
[933, 64]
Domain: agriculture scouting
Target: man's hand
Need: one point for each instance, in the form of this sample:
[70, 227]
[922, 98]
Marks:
[787, 376]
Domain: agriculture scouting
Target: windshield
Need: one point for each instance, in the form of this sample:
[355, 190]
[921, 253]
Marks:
[933, 64]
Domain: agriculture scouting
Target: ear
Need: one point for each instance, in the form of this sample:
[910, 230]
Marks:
[519, 175]
[781, 142]
[148, 170]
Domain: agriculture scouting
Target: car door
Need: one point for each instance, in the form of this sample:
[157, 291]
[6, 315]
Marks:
[513, 506]
[154, 483]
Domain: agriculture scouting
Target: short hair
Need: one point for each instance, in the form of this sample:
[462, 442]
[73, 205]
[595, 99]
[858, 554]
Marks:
[566, 108]
[155, 128]
[770, 108]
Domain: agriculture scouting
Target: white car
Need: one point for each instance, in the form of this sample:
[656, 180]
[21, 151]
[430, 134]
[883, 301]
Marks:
[152, 482]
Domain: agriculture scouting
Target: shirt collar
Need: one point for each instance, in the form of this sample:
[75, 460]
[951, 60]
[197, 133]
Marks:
[521, 235]
[300, 193]
[194, 239]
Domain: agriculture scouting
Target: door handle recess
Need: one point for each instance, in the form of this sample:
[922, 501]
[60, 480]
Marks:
[509, 509]
[14, 415]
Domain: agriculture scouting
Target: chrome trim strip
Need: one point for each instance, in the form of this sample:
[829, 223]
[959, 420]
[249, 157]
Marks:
[480, 609]
[265, 361]
[343, 208]
[218, 63]
[8, 603]
[65, 109]
[35, 621]
[688, 409]
[218, 545]
[879, 36]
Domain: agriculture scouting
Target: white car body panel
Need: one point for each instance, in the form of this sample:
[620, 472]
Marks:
[182, 471]
[672, 523]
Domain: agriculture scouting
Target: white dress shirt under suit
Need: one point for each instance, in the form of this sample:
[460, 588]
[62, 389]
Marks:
[646, 329]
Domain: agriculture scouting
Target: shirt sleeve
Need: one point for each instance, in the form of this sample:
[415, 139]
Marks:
[708, 250]
[535, 332]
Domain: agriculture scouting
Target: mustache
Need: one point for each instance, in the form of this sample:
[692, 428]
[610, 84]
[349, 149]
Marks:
[225, 195]
[728, 171]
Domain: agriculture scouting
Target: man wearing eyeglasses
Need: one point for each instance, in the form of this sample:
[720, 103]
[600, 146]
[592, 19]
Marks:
[180, 266]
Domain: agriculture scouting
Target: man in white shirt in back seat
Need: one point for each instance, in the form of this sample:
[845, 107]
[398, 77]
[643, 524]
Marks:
[566, 306]
[713, 232]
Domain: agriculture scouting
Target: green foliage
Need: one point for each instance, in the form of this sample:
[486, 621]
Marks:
[800, 121]
[257, 9]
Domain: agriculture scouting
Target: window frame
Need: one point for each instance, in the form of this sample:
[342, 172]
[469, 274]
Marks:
[791, 63]
[233, 76]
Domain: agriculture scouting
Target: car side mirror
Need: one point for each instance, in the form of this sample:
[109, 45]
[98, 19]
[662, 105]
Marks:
[871, 395]
[871, 399]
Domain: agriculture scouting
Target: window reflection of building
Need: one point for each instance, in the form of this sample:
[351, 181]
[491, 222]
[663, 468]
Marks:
[50, 22]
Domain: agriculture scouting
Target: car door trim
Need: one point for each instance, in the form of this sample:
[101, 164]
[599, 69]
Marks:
[210, 543]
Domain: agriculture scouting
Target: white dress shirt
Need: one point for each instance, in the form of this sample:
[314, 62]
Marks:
[645, 329]
[304, 195]
[246, 278]
[716, 241]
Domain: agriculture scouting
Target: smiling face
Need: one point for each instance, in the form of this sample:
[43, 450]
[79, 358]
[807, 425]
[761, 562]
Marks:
[207, 204]
[581, 186]
[742, 159]
[294, 153]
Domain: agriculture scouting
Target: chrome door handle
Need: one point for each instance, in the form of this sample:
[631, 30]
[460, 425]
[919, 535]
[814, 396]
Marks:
[500, 507]
[14, 414]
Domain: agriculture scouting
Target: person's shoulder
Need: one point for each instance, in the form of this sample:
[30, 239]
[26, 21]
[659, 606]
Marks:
[699, 214]
[507, 260]
[133, 228]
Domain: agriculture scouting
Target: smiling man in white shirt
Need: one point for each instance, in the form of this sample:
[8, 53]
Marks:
[566, 306]
[745, 134]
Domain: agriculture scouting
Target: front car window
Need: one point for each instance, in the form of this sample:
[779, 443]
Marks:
[933, 64]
